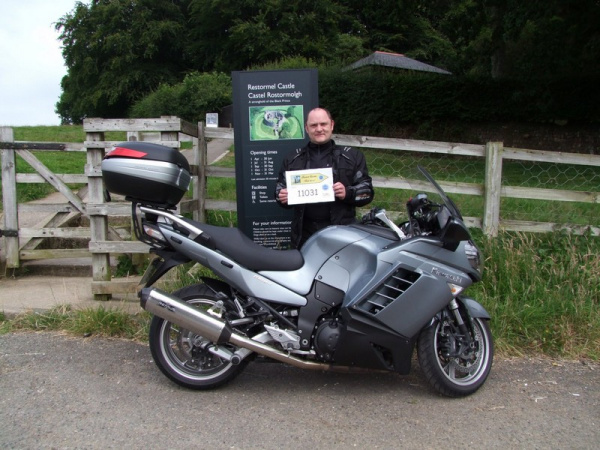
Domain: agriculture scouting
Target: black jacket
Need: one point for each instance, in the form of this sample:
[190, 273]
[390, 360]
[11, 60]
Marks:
[349, 167]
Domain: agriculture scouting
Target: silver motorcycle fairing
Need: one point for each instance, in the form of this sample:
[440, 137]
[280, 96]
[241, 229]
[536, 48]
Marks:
[368, 265]
[322, 249]
[355, 262]
[433, 250]
[355, 266]
[247, 281]
[390, 284]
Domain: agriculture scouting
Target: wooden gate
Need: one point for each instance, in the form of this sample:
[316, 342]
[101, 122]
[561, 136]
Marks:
[21, 243]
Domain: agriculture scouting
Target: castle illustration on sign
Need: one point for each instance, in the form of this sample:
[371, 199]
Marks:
[276, 122]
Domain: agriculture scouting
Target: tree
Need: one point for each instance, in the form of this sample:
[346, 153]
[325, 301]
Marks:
[553, 39]
[116, 51]
[403, 26]
[119, 51]
[236, 34]
[515, 39]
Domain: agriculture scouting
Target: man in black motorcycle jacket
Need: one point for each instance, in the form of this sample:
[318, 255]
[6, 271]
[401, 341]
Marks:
[352, 184]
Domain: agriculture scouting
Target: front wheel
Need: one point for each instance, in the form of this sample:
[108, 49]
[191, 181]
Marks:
[452, 367]
[182, 355]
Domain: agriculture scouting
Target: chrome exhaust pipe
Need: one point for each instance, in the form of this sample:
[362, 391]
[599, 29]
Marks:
[180, 313]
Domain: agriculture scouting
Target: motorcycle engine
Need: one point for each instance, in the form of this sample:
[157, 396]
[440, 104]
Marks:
[326, 338]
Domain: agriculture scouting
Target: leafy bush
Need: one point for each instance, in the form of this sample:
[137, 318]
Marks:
[196, 95]
[375, 100]
[291, 62]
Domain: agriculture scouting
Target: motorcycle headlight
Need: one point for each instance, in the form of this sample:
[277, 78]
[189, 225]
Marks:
[474, 256]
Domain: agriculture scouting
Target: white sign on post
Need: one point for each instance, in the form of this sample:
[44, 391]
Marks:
[310, 186]
[212, 119]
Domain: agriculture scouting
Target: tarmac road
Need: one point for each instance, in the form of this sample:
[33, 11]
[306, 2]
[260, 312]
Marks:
[66, 392]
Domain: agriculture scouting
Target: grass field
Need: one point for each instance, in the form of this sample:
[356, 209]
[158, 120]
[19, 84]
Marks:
[542, 290]
[57, 162]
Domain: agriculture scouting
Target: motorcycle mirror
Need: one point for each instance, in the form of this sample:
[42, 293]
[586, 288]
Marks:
[381, 215]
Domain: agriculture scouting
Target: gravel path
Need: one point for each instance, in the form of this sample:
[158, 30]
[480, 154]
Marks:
[65, 392]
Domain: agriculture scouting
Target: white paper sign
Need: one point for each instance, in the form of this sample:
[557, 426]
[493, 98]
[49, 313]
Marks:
[310, 186]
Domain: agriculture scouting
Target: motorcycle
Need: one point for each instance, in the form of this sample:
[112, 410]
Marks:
[358, 297]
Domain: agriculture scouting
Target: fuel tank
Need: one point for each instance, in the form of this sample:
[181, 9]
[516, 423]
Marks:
[322, 246]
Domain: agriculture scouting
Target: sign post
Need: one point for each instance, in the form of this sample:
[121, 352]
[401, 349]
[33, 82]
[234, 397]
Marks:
[269, 112]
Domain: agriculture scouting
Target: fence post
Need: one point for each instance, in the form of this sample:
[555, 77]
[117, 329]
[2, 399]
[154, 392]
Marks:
[137, 259]
[493, 186]
[134, 136]
[9, 200]
[166, 137]
[98, 223]
[200, 158]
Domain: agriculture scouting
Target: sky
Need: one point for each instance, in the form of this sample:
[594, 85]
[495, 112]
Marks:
[31, 63]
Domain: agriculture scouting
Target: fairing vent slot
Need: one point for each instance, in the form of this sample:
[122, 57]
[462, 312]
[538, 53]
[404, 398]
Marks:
[388, 291]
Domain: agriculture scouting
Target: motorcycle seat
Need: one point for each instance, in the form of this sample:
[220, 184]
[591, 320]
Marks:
[239, 247]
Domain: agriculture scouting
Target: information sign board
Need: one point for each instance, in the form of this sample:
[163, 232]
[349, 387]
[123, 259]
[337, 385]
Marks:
[270, 108]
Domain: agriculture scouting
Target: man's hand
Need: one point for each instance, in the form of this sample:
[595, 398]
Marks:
[283, 196]
[339, 190]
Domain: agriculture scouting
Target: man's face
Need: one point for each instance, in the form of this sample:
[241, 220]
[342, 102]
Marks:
[319, 126]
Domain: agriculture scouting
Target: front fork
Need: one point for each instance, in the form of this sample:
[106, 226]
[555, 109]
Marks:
[454, 307]
[459, 344]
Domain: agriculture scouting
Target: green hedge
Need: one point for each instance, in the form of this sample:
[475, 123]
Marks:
[196, 95]
[375, 101]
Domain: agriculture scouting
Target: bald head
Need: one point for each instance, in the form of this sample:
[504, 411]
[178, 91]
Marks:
[319, 126]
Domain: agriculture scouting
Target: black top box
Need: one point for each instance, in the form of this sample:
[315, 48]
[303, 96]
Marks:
[147, 173]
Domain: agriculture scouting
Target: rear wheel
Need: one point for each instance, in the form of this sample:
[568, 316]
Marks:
[452, 368]
[183, 356]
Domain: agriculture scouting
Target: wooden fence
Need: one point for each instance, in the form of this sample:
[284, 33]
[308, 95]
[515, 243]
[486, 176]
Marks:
[492, 190]
[20, 243]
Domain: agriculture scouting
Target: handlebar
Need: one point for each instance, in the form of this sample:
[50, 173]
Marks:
[422, 217]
